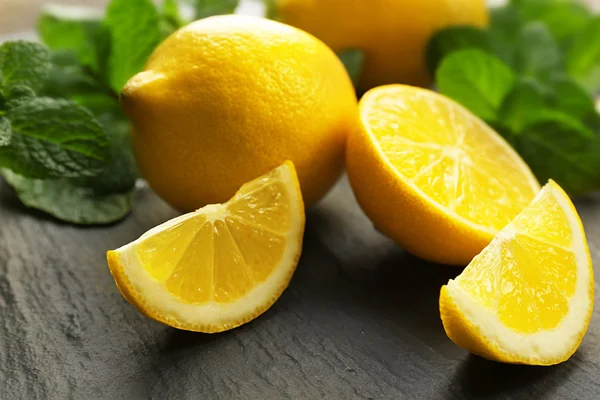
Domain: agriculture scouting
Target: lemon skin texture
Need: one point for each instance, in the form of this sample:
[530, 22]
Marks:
[228, 98]
[392, 34]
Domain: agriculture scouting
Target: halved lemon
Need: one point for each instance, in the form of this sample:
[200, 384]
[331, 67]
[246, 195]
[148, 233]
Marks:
[433, 176]
[220, 266]
[528, 297]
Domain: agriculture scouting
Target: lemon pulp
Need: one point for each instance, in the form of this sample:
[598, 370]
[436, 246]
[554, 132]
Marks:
[455, 159]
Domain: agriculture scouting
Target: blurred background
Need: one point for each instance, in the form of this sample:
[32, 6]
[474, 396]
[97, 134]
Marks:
[20, 15]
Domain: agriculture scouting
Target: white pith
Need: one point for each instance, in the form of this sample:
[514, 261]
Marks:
[154, 297]
[543, 345]
[450, 150]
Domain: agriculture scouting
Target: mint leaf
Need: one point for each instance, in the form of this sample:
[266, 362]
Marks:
[537, 53]
[17, 95]
[522, 105]
[559, 147]
[68, 77]
[135, 30]
[270, 9]
[54, 138]
[171, 15]
[478, 80]
[563, 19]
[505, 25]
[75, 29]
[353, 60]
[23, 63]
[583, 57]
[207, 8]
[452, 39]
[121, 172]
[5, 131]
[99, 104]
[567, 96]
[66, 200]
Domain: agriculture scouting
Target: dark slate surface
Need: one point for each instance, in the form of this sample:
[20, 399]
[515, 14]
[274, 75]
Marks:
[359, 320]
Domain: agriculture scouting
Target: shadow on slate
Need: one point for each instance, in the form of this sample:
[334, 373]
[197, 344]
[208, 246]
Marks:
[481, 378]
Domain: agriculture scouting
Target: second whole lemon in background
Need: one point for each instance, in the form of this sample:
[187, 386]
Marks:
[228, 98]
[392, 34]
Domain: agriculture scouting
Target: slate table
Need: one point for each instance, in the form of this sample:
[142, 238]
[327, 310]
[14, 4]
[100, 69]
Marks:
[360, 320]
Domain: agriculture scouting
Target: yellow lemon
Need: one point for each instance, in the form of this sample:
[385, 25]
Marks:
[528, 297]
[432, 176]
[220, 266]
[228, 98]
[392, 34]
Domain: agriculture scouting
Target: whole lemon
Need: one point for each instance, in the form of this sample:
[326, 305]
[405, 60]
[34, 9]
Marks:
[392, 34]
[226, 99]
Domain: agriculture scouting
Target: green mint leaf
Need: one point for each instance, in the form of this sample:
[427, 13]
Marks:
[135, 30]
[17, 95]
[70, 202]
[207, 8]
[505, 25]
[54, 138]
[569, 97]
[68, 77]
[537, 53]
[270, 9]
[522, 105]
[562, 19]
[354, 61]
[23, 63]
[121, 172]
[559, 147]
[74, 29]
[171, 15]
[99, 104]
[5, 131]
[583, 57]
[452, 39]
[478, 80]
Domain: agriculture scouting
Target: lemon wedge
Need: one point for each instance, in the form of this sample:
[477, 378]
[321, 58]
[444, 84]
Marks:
[433, 176]
[220, 266]
[528, 297]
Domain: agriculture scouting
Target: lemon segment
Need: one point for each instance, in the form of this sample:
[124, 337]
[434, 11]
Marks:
[528, 297]
[433, 176]
[222, 265]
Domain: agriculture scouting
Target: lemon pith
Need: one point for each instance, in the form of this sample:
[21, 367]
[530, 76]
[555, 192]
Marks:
[228, 98]
[528, 297]
[432, 176]
[222, 265]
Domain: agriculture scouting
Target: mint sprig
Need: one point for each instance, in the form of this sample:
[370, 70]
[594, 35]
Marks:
[64, 141]
[531, 76]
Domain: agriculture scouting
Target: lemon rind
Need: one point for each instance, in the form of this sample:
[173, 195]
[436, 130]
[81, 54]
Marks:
[501, 343]
[154, 300]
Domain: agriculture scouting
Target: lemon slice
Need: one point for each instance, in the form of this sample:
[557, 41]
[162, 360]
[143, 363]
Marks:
[433, 176]
[220, 266]
[528, 297]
